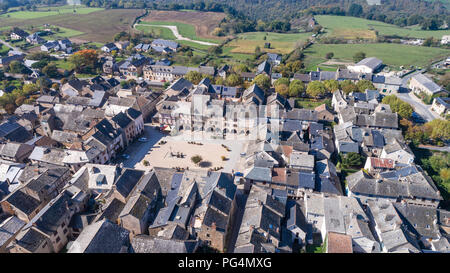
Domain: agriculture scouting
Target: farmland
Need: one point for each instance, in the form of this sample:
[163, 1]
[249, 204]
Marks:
[280, 42]
[394, 55]
[97, 26]
[191, 24]
[351, 28]
[44, 12]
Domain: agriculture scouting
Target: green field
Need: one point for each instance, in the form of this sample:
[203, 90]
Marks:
[283, 43]
[351, 27]
[160, 32]
[44, 12]
[185, 30]
[393, 55]
[3, 50]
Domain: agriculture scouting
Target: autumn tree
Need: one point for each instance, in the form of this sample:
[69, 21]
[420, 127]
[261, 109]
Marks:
[85, 61]
[348, 87]
[282, 89]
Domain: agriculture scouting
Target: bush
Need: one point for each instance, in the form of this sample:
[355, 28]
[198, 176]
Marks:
[196, 159]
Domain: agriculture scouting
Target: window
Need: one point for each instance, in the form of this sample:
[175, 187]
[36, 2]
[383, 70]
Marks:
[58, 239]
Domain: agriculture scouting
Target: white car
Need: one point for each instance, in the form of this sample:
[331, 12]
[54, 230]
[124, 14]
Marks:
[125, 156]
[143, 139]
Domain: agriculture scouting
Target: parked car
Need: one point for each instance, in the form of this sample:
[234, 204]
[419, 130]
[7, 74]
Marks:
[142, 139]
[238, 174]
[126, 156]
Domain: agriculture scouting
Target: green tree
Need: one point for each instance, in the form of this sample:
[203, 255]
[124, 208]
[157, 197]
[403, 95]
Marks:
[196, 159]
[194, 77]
[359, 56]
[331, 85]
[315, 89]
[233, 80]
[262, 81]
[329, 55]
[16, 67]
[365, 84]
[51, 71]
[352, 159]
[296, 87]
[284, 81]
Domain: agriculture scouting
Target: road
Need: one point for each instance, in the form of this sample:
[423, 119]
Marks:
[419, 107]
[436, 148]
[137, 150]
[10, 46]
[175, 32]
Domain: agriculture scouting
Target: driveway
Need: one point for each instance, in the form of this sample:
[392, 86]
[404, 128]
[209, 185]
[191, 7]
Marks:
[175, 32]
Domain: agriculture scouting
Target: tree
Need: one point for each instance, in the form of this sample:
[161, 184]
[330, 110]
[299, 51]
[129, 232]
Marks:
[16, 67]
[296, 87]
[329, 55]
[85, 61]
[438, 129]
[355, 10]
[233, 80]
[359, 56]
[282, 89]
[215, 50]
[315, 89]
[194, 77]
[403, 109]
[262, 81]
[284, 81]
[51, 71]
[331, 85]
[352, 159]
[196, 159]
[348, 87]
[365, 84]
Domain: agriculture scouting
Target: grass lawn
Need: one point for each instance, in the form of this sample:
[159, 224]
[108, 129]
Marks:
[44, 12]
[160, 32]
[3, 50]
[60, 63]
[185, 30]
[351, 27]
[311, 104]
[393, 55]
[279, 42]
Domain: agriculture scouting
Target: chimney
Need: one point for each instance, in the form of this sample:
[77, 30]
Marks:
[213, 226]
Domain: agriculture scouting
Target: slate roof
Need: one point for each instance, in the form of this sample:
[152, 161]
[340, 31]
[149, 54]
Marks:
[427, 83]
[371, 62]
[147, 244]
[31, 240]
[127, 181]
[9, 228]
[122, 120]
[101, 237]
[23, 202]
